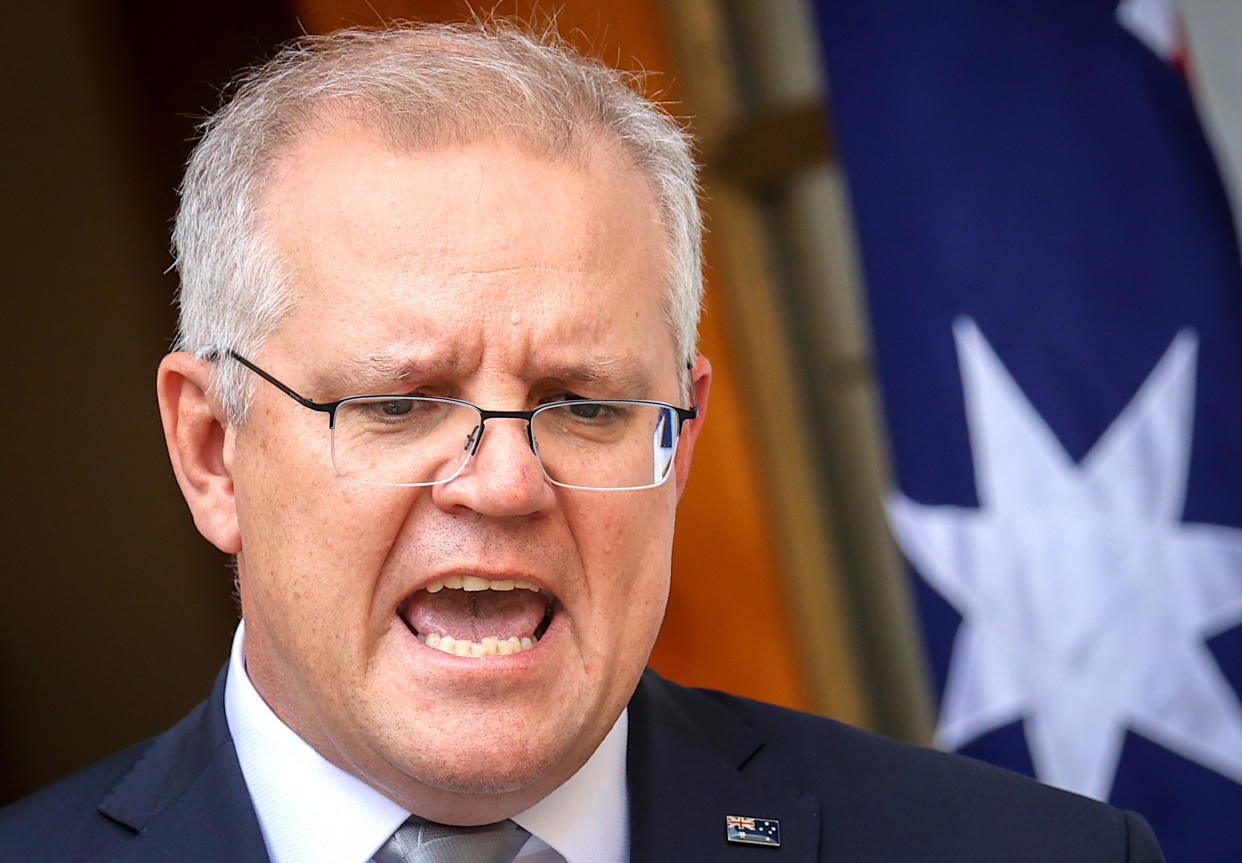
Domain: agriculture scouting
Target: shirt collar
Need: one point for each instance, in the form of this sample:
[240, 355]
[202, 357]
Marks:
[311, 811]
[587, 819]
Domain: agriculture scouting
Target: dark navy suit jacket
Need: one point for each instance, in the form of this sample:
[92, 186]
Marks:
[694, 757]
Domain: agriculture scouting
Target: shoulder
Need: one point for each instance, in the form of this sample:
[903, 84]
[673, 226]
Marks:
[876, 793]
[63, 821]
[103, 806]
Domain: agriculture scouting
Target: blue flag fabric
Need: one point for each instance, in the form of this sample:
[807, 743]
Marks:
[1055, 291]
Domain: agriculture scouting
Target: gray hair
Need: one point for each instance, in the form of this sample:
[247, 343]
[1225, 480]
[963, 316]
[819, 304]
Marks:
[417, 86]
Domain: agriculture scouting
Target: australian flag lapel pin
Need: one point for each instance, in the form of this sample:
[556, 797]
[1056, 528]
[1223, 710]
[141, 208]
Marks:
[747, 830]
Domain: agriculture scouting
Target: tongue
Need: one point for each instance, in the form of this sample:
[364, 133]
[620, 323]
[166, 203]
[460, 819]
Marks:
[474, 615]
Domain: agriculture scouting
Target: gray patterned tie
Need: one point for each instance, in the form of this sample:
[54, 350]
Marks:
[419, 841]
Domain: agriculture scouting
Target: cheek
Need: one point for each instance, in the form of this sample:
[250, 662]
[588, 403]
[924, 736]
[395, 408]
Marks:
[627, 554]
[310, 539]
[622, 535]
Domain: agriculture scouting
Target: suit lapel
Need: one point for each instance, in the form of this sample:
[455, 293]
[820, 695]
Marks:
[691, 763]
[186, 798]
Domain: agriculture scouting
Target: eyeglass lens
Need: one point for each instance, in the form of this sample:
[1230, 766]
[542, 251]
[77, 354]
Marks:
[423, 441]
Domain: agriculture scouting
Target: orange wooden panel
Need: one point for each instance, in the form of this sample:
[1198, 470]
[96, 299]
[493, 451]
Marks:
[726, 625]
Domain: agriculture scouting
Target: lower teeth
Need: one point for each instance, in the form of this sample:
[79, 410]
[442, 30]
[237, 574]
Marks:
[490, 646]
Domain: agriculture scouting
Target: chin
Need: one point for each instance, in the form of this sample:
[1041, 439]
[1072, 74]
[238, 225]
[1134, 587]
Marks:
[485, 780]
[488, 765]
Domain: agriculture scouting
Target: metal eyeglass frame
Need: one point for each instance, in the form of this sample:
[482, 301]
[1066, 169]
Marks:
[330, 408]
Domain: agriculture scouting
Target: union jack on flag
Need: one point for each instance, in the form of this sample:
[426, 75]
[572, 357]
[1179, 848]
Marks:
[752, 831]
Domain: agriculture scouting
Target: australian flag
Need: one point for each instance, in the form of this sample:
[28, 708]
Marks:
[1056, 296]
[746, 830]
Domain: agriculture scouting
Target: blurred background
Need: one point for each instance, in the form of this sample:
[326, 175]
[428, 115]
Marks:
[1059, 173]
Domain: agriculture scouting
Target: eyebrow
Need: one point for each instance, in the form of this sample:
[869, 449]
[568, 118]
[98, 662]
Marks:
[626, 375]
[368, 374]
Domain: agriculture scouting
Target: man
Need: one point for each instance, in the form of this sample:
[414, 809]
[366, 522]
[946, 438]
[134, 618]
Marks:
[448, 608]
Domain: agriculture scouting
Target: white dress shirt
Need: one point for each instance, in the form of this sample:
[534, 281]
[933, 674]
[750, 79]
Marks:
[311, 811]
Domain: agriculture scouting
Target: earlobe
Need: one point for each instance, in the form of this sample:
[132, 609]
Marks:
[700, 379]
[196, 433]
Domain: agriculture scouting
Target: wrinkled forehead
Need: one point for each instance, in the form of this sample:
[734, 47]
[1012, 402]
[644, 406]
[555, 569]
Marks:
[570, 196]
[492, 232]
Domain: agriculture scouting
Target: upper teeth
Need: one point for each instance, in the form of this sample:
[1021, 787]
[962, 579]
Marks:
[474, 582]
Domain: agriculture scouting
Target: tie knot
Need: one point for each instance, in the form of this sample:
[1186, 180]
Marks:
[422, 841]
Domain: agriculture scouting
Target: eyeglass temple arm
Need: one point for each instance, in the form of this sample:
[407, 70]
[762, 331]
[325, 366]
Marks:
[326, 407]
[692, 412]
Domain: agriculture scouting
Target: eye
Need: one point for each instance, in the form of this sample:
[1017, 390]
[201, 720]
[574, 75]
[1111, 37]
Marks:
[594, 413]
[396, 407]
[586, 410]
[571, 406]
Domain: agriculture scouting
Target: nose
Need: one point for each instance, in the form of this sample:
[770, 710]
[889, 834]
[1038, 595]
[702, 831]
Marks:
[502, 478]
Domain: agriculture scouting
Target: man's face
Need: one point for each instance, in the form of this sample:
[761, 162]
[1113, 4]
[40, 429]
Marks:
[488, 274]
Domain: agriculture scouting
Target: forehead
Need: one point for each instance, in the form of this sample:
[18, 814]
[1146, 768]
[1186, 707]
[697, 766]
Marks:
[458, 251]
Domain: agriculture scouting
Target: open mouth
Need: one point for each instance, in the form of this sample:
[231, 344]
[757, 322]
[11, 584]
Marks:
[467, 615]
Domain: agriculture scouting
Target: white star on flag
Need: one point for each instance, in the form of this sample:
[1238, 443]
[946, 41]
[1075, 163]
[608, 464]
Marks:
[1085, 600]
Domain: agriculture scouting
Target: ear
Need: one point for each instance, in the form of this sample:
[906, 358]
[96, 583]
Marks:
[701, 381]
[199, 446]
